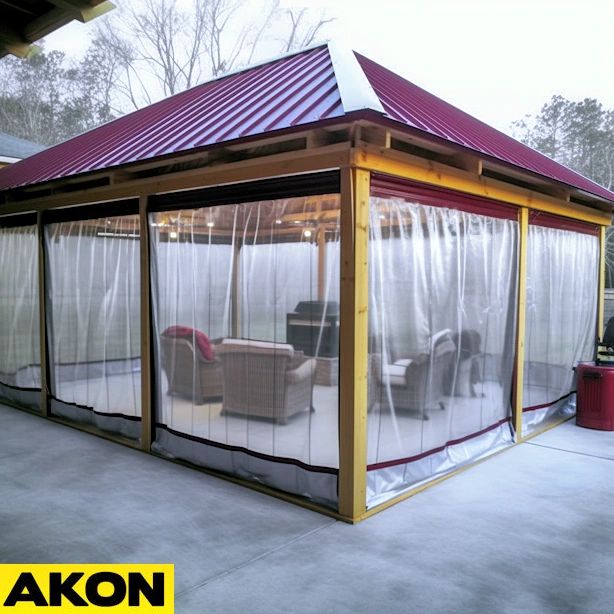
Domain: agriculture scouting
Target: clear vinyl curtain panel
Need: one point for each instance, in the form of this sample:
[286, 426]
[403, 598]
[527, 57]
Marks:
[561, 319]
[246, 326]
[94, 322]
[441, 341]
[19, 316]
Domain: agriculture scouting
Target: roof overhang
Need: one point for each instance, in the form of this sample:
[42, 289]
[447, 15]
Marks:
[23, 22]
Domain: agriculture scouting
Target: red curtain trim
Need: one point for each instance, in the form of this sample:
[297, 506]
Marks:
[544, 405]
[386, 186]
[539, 218]
[452, 442]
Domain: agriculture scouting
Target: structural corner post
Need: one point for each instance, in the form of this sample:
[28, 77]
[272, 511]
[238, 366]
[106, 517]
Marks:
[355, 187]
[520, 322]
[42, 315]
[601, 295]
[147, 411]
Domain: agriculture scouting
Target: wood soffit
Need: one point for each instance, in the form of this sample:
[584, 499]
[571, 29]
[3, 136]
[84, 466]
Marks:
[23, 22]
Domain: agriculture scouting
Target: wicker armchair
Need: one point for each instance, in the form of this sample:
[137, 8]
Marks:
[265, 380]
[188, 373]
[417, 383]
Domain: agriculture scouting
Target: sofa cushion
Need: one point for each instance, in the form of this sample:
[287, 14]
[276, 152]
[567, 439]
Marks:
[256, 347]
[395, 374]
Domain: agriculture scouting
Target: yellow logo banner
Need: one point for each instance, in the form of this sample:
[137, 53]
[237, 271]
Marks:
[87, 588]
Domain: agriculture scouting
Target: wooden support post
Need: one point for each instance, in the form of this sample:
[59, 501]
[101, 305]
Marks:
[321, 239]
[520, 322]
[601, 295]
[147, 397]
[355, 185]
[42, 315]
[235, 291]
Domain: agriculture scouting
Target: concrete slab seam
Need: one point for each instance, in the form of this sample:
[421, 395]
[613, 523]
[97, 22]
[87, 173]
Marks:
[541, 445]
[255, 559]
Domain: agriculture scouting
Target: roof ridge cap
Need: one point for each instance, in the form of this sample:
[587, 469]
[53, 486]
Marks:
[357, 93]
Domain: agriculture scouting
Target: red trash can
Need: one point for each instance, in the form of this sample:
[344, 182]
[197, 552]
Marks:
[595, 400]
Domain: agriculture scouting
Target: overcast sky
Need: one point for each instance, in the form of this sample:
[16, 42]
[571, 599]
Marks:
[496, 59]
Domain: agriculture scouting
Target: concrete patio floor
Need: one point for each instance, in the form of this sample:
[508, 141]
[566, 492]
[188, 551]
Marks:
[530, 530]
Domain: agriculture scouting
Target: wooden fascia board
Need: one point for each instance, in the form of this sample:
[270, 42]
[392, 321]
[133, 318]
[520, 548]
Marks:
[305, 161]
[438, 145]
[426, 171]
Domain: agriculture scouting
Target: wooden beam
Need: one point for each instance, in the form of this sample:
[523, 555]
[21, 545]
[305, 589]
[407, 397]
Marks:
[60, 16]
[601, 282]
[441, 175]
[147, 397]
[518, 383]
[42, 315]
[353, 355]
[83, 10]
[321, 241]
[467, 162]
[330, 157]
[375, 135]
[235, 291]
[13, 42]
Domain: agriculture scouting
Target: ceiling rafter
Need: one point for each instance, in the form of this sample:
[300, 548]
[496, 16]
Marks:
[21, 24]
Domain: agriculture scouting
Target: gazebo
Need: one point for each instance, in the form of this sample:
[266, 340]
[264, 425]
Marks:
[309, 276]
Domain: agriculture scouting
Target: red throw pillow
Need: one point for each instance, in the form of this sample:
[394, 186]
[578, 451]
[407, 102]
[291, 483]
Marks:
[196, 336]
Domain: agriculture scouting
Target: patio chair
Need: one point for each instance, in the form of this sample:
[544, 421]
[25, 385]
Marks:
[265, 380]
[188, 372]
[416, 383]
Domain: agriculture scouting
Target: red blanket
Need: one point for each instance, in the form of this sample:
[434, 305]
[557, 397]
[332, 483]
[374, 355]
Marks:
[197, 337]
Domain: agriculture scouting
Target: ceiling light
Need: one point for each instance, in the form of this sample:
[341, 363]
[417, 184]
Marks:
[307, 233]
[173, 235]
[210, 224]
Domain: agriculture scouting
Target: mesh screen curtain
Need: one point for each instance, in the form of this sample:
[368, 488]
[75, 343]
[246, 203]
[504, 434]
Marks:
[561, 312]
[441, 341]
[245, 300]
[19, 316]
[94, 322]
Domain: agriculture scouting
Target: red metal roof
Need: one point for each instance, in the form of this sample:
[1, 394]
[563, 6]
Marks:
[301, 90]
[414, 107]
[293, 91]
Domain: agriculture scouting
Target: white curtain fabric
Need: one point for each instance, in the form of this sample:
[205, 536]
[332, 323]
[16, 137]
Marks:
[441, 341]
[94, 317]
[561, 325]
[19, 315]
[231, 275]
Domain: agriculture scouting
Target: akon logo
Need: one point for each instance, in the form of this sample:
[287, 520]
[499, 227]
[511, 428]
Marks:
[91, 588]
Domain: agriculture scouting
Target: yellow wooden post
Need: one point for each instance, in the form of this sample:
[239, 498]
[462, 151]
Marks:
[42, 315]
[521, 321]
[601, 296]
[355, 185]
[147, 409]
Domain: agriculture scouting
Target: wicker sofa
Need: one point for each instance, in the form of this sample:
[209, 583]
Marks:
[189, 374]
[265, 380]
[415, 383]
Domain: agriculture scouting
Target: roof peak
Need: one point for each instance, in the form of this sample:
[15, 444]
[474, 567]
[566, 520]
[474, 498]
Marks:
[356, 92]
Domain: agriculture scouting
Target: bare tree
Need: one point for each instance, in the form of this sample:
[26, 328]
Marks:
[166, 46]
[304, 31]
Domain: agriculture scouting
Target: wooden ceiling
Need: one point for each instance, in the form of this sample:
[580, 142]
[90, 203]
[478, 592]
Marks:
[23, 22]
